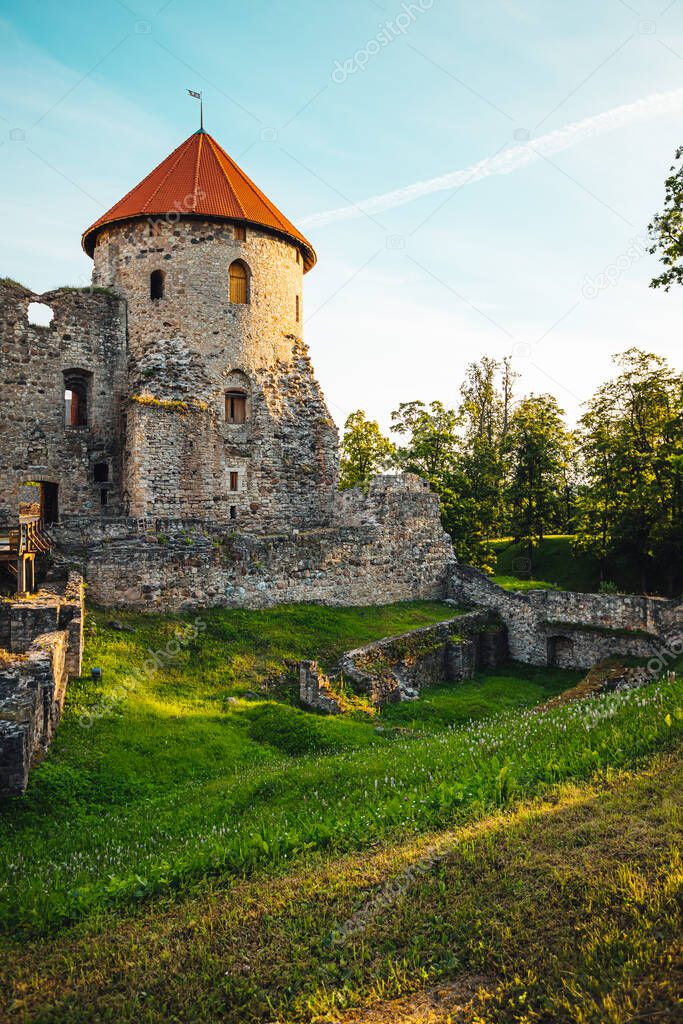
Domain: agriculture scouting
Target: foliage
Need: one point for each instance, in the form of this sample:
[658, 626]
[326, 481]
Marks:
[460, 453]
[666, 229]
[538, 449]
[630, 505]
[364, 451]
[433, 444]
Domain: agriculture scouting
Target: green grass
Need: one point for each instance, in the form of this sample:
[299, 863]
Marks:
[514, 583]
[555, 565]
[515, 686]
[204, 766]
[562, 909]
[194, 842]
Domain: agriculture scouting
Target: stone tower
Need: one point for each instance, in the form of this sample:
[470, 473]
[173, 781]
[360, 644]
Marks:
[223, 419]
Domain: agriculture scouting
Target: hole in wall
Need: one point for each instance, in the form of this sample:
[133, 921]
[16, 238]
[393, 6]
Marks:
[40, 314]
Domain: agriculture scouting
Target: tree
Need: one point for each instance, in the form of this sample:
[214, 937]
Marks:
[538, 450]
[484, 417]
[364, 451]
[666, 229]
[630, 506]
[432, 441]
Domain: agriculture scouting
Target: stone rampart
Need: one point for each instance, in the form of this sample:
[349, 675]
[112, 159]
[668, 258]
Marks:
[393, 549]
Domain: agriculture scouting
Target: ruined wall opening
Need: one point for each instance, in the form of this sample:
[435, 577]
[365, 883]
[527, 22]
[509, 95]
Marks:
[40, 314]
[156, 285]
[39, 499]
[49, 502]
[77, 386]
[239, 282]
[559, 651]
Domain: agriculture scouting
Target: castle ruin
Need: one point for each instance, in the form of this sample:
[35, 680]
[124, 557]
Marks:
[165, 429]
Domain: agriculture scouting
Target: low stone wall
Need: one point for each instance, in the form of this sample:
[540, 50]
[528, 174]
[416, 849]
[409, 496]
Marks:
[398, 667]
[386, 546]
[572, 630]
[315, 690]
[32, 690]
[45, 641]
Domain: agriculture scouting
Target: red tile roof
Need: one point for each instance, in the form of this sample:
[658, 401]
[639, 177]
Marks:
[200, 179]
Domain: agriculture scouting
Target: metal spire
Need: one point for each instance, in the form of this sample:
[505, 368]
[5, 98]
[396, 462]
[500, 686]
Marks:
[198, 96]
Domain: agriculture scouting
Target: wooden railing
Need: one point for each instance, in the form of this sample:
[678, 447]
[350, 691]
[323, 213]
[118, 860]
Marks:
[29, 537]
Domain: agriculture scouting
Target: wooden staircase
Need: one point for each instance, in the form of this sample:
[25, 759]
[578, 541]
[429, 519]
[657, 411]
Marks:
[19, 546]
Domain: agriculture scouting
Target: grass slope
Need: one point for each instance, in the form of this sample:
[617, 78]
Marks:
[555, 565]
[187, 851]
[563, 909]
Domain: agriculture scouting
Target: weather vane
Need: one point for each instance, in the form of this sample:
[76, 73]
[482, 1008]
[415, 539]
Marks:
[198, 96]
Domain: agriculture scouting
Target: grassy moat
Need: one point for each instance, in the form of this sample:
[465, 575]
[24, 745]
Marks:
[197, 848]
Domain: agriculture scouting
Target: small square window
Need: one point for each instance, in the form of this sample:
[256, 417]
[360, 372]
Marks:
[234, 480]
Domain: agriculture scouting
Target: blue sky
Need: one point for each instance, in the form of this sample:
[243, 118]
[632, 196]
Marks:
[326, 105]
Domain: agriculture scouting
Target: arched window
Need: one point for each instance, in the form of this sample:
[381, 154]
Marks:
[156, 284]
[76, 393]
[239, 282]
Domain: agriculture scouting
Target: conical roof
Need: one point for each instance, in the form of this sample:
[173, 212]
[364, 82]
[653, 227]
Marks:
[200, 179]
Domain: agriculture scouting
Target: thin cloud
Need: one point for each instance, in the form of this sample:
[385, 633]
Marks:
[511, 159]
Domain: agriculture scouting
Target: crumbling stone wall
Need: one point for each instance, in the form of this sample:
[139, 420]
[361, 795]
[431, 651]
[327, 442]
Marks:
[394, 551]
[45, 642]
[399, 667]
[567, 629]
[315, 691]
[87, 333]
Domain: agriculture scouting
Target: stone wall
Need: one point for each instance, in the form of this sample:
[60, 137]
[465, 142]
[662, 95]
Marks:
[87, 333]
[315, 690]
[571, 630]
[44, 643]
[393, 549]
[398, 667]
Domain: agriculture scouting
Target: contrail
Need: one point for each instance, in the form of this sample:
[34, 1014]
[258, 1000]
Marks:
[511, 159]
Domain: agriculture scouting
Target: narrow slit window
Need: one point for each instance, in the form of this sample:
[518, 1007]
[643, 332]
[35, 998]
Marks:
[156, 285]
[298, 308]
[233, 512]
[234, 480]
[239, 283]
